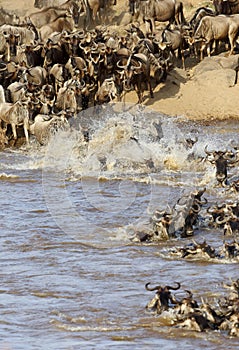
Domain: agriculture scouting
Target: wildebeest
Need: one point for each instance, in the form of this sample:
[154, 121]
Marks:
[58, 74]
[15, 114]
[11, 37]
[49, 14]
[92, 10]
[186, 212]
[16, 92]
[175, 38]
[55, 53]
[230, 224]
[26, 34]
[198, 15]
[35, 76]
[196, 321]
[231, 250]
[221, 160]
[8, 18]
[66, 99]
[33, 53]
[216, 28]
[163, 296]
[106, 92]
[61, 23]
[45, 125]
[164, 10]
[45, 16]
[226, 7]
[137, 74]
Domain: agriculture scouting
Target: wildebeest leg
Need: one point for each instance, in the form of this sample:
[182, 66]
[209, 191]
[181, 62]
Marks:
[25, 127]
[150, 89]
[208, 49]
[182, 56]
[203, 46]
[231, 37]
[14, 131]
[140, 96]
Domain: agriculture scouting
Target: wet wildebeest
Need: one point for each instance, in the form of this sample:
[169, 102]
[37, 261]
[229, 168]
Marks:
[163, 296]
[221, 159]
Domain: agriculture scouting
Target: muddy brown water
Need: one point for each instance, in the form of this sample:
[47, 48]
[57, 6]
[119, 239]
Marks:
[70, 276]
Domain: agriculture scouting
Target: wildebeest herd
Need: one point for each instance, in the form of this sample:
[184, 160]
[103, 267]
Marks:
[188, 313]
[61, 60]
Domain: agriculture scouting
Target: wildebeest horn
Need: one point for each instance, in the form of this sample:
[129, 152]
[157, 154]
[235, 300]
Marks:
[223, 221]
[158, 214]
[175, 288]
[91, 87]
[6, 35]
[109, 79]
[121, 67]
[137, 67]
[207, 152]
[95, 60]
[82, 84]
[37, 101]
[3, 67]
[213, 209]
[197, 209]
[190, 294]
[185, 202]
[151, 289]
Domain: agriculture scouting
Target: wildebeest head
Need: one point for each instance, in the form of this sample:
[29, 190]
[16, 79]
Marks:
[75, 10]
[13, 40]
[131, 68]
[39, 3]
[230, 249]
[187, 304]
[222, 7]
[221, 159]
[163, 296]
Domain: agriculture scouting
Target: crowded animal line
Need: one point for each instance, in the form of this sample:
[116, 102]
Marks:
[84, 60]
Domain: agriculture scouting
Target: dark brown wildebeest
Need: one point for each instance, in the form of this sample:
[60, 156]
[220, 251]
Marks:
[136, 73]
[163, 296]
[221, 159]
[226, 7]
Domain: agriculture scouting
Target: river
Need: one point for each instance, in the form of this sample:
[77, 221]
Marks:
[71, 278]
